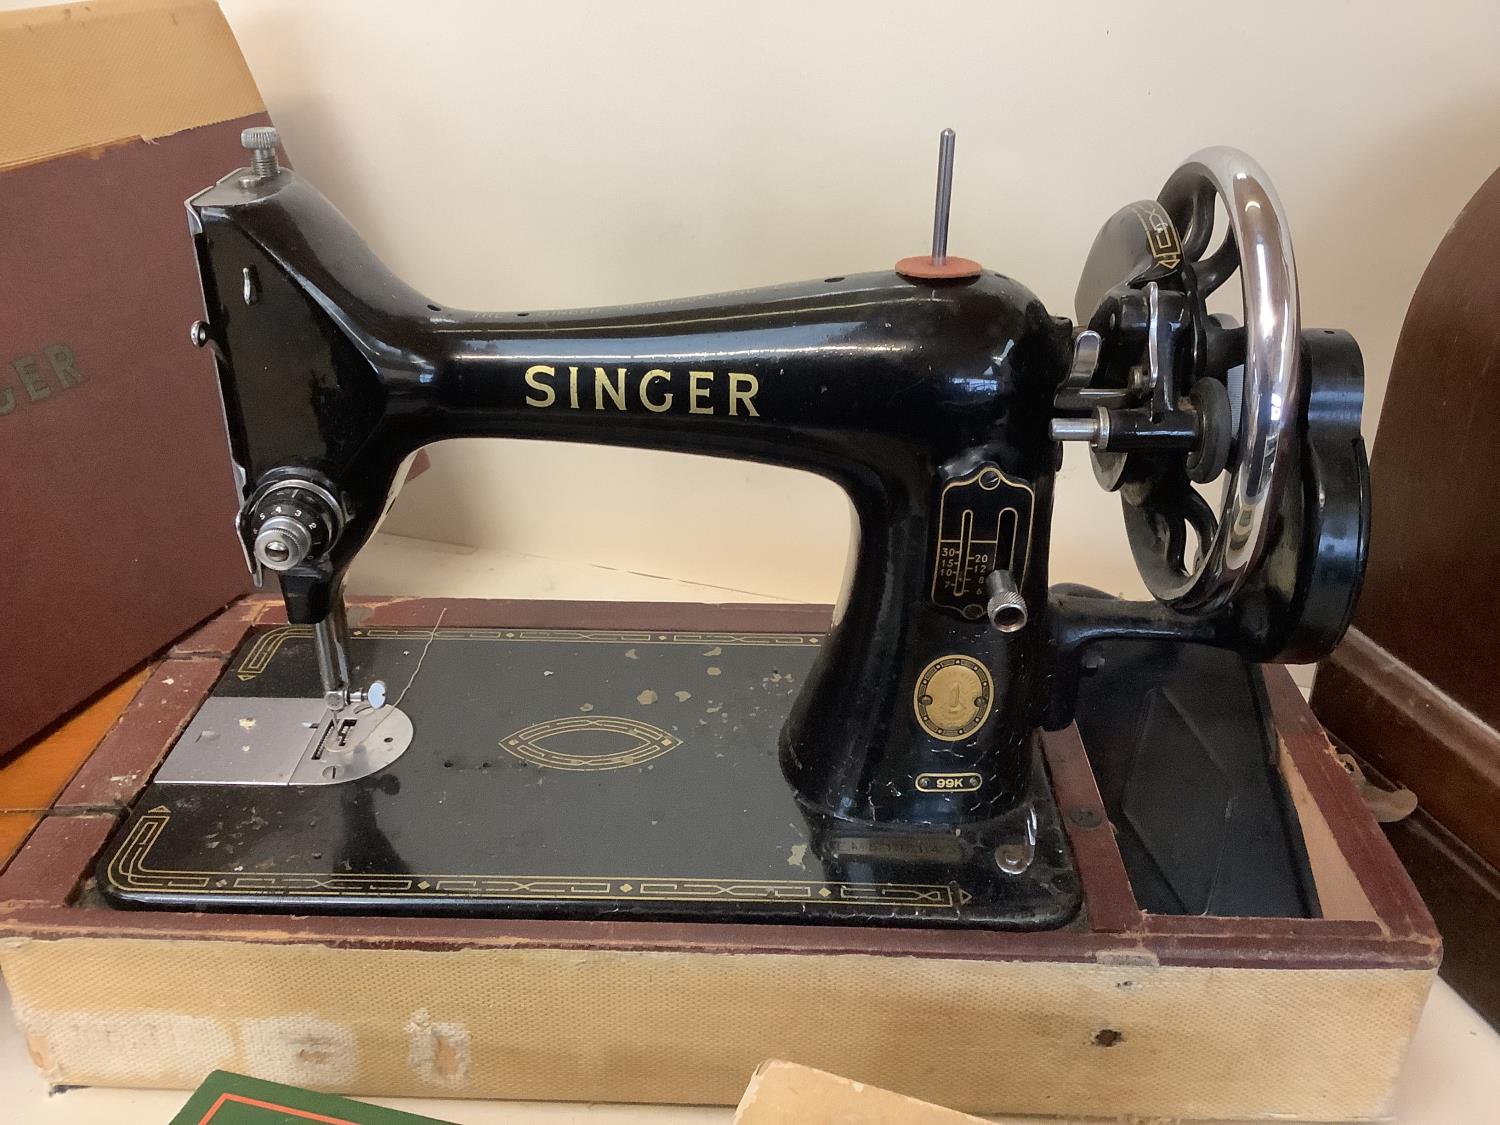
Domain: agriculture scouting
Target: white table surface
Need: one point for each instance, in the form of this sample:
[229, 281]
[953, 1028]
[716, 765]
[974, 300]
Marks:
[1452, 1075]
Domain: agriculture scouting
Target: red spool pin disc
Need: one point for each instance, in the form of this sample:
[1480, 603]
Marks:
[922, 267]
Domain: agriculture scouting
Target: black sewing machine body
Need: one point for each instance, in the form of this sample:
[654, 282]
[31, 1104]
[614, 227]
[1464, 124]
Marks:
[832, 376]
[926, 395]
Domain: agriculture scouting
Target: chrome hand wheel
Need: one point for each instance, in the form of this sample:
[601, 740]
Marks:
[1158, 375]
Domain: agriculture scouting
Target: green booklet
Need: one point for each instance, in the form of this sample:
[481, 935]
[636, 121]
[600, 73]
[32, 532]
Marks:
[233, 1099]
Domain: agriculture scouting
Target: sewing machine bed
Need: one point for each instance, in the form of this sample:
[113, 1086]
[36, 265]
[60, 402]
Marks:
[1180, 1009]
[555, 772]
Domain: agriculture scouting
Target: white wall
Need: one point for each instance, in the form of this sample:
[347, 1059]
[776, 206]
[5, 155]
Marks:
[551, 154]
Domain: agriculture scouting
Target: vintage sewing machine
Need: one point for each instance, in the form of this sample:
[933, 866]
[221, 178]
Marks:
[886, 771]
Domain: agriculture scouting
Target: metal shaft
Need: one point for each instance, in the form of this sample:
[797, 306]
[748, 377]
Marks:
[331, 641]
[1074, 429]
[263, 162]
[944, 198]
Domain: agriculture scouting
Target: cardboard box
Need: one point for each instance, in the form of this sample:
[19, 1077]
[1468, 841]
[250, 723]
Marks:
[117, 496]
[783, 1093]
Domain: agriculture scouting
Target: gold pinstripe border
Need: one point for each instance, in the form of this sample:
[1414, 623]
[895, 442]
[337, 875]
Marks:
[128, 870]
[258, 656]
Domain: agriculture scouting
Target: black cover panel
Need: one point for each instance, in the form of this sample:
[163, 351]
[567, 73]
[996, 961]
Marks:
[1182, 746]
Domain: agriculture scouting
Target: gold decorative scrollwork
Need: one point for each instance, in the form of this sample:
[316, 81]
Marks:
[642, 743]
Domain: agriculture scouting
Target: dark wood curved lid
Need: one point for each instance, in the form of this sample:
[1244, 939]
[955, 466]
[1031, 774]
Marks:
[1432, 593]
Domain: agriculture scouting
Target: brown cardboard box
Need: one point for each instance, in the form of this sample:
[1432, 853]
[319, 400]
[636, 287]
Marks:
[783, 1093]
[116, 492]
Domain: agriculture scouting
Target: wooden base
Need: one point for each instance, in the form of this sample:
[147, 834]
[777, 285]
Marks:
[1126, 1012]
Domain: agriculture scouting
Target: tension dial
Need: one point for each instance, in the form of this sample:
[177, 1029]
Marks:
[289, 522]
